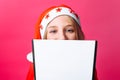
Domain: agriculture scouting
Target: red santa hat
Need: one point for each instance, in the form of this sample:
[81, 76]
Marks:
[51, 13]
[45, 18]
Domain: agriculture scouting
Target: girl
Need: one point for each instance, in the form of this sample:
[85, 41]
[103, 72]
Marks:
[57, 23]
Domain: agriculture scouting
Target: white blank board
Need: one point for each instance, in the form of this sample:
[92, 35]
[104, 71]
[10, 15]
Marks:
[64, 59]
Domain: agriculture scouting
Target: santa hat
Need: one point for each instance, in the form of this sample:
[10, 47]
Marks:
[47, 16]
[51, 13]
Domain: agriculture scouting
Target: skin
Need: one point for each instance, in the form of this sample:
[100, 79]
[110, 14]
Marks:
[62, 28]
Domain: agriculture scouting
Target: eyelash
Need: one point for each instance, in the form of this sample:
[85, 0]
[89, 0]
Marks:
[70, 30]
[53, 31]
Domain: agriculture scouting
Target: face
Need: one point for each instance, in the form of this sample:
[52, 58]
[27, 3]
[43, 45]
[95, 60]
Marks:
[62, 28]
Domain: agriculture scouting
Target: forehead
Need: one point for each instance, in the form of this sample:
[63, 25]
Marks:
[62, 21]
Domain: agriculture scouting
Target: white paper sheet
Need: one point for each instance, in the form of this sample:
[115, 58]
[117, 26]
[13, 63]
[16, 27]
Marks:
[64, 59]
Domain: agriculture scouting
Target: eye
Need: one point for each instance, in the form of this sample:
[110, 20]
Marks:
[52, 31]
[70, 30]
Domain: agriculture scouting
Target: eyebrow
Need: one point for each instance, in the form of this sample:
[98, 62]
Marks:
[52, 26]
[68, 25]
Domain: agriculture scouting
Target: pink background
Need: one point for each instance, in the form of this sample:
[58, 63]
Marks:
[100, 20]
